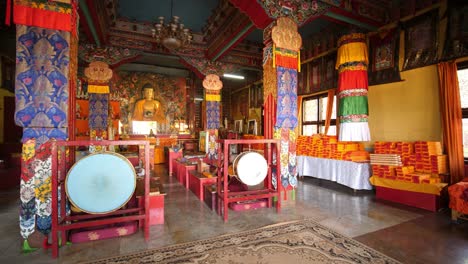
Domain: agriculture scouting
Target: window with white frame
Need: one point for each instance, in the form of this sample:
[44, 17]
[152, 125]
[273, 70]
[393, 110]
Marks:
[314, 114]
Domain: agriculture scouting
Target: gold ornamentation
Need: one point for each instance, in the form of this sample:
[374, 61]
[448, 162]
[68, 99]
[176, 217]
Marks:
[269, 79]
[212, 82]
[285, 34]
[98, 71]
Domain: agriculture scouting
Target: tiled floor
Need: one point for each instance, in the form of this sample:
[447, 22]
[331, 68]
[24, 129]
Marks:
[406, 234]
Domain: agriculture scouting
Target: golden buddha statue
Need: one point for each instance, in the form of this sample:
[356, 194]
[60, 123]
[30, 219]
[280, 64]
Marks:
[148, 109]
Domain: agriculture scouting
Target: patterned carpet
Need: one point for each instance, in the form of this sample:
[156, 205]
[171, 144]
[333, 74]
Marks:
[296, 242]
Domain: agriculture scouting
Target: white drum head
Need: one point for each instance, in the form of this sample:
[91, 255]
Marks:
[100, 183]
[251, 168]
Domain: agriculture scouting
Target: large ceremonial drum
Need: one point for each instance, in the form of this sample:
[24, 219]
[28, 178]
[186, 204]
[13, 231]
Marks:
[100, 183]
[250, 168]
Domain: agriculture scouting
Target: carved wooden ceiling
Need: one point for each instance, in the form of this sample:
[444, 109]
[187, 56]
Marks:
[227, 33]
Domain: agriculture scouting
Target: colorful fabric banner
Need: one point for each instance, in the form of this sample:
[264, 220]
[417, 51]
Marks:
[352, 86]
[41, 87]
[46, 14]
[287, 161]
[27, 216]
[213, 97]
[98, 110]
[212, 114]
[286, 116]
[99, 89]
[43, 134]
[212, 145]
[286, 58]
[43, 188]
[35, 189]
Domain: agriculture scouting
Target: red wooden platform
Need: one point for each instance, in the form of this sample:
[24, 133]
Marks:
[183, 169]
[172, 156]
[426, 201]
[197, 182]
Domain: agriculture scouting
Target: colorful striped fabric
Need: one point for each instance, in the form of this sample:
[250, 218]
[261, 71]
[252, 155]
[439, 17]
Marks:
[351, 62]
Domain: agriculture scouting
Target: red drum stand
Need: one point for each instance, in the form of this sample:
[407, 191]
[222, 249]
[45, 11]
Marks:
[63, 223]
[271, 147]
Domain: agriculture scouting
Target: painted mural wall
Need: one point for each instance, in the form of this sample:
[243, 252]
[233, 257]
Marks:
[169, 91]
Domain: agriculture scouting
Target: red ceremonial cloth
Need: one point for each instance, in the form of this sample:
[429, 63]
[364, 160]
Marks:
[286, 61]
[352, 80]
[36, 17]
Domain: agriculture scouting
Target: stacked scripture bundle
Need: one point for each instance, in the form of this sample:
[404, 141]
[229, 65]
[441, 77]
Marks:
[423, 151]
[357, 156]
[418, 162]
[439, 164]
[302, 143]
[384, 171]
[386, 159]
[328, 147]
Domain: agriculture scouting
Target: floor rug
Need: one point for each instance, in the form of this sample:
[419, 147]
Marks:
[302, 241]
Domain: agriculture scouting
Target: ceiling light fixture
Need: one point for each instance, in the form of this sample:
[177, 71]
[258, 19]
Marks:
[172, 35]
[233, 76]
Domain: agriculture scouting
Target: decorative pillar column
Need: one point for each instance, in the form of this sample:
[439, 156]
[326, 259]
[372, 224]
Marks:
[46, 45]
[98, 76]
[280, 93]
[213, 86]
[351, 62]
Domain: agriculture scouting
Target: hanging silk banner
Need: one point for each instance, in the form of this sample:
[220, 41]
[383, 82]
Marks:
[212, 115]
[98, 110]
[41, 86]
[286, 58]
[351, 62]
[45, 14]
[44, 134]
[286, 115]
[213, 86]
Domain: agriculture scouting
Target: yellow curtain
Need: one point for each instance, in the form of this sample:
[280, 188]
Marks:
[450, 108]
[331, 96]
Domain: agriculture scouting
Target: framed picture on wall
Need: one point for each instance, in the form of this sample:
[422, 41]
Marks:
[238, 125]
[252, 128]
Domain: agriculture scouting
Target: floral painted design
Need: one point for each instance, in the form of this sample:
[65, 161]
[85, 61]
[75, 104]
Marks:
[41, 87]
[212, 114]
[286, 116]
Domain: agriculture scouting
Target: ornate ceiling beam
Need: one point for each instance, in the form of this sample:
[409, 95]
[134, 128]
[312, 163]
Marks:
[353, 19]
[113, 56]
[226, 27]
[88, 23]
[227, 43]
[202, 67]
[255, 11]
